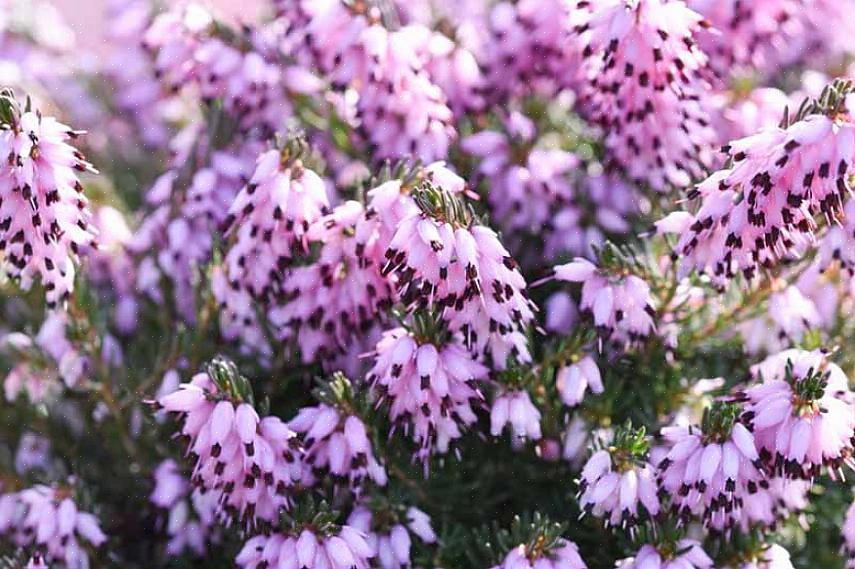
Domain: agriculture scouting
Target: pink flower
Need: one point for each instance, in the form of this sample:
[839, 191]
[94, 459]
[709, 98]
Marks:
[338, 444]
[646, 87]
[346, 548]
[191, 515]
[269, 218]
[708, 472]
[522, 196]
[392, 539]
[800, 412]
[574, 379]
[33, 453]
[563, 555]
[48, 519]
[248, 461]
[341, 295]
[44, 216]
[685, 554]
[430, 388]
[132, 72]
[622, 307]
[530, 48]
[618, 483]
[516, 410]
[444, 261]
[764, 206]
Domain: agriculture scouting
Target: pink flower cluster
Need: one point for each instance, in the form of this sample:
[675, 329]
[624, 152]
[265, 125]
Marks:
[431, 389]
[44, 216]
[337, 444]
[801, 414]
[444, 261]
[685, 554]
[615, 487]
[645, 80]
[346, 549]
[765, 206]
[392, 545]
[48, 520]
[248, 462]
[191, 515]
[622, 306]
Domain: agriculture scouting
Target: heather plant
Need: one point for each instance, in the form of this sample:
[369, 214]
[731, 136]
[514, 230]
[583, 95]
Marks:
[519, 284]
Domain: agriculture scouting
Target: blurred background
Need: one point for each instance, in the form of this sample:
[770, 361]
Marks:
[87, 18]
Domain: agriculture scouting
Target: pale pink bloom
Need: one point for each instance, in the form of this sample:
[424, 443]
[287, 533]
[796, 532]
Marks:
[764, 206]
[790, 314]
[515, 409]
[465, 271]
[430, 388]
[564, 555]
[622, 307]
[249, 462]
[617, 490]
[270, 218]
[646, 87]
[574, 379]
[337, 445]
[347, 548]
[530, 49]
[392, 541]
[765, 35]
[33, 453]
[341, 295]
[48, 519]
[44, 215]
[131, 69]
[690, 556]
[522, 195]
[800, 412]
[709, 474]
[561, 313]
[768, 557]
[191, 515]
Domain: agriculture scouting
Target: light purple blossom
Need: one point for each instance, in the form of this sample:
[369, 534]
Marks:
[249, 462]
[430, 388]
[515, 409]
[800, 412]
[337, 444]
[346, 549]
[622, 306]
[686, 554]
[49, 519]
[44, 215]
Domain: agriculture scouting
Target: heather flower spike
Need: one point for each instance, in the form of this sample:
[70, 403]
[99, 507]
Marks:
[619, 302]
[337, 441]
[779, 184]
[710, 471]
[45, 221]
[684, 554]
[618, 483]
[647, 87]
[309, 538]
[800, 412]
[249, 461]
[444, 260]
[429, 381]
